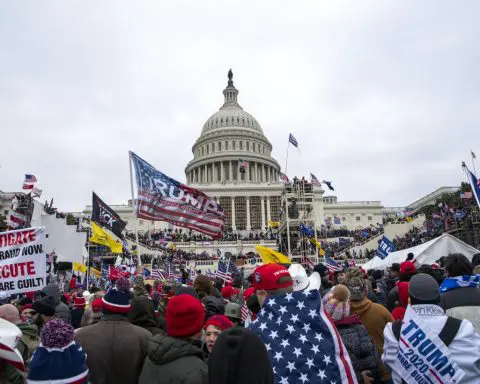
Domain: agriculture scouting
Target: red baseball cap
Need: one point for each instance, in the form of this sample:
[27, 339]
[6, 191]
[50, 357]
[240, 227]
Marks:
[407, 267]
[266, 277]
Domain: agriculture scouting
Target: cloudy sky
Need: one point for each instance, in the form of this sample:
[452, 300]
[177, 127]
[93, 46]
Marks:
[383, 96]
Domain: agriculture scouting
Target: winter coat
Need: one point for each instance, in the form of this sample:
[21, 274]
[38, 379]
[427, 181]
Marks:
[115, 349]
[213, 306]
[462, 303]
[393, 298]
[375, 317]
[382, 291]
[61, 309]
[29, 340]
[360, 347]
[77, 315]
[142, 314]
[173, 361]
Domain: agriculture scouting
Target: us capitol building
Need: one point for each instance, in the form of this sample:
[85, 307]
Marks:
[233, 164]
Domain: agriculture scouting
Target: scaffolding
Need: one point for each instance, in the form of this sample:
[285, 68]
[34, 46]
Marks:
[297, 207]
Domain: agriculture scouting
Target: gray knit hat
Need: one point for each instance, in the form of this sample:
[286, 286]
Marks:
[423, 287]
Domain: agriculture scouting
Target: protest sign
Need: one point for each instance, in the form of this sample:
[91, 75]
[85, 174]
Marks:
[22, 260]
[385, 247]
[423, 357]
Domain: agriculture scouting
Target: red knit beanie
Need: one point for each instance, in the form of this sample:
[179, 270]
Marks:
[220, 321]
[185, 316]
[398, 313]
[229, 291]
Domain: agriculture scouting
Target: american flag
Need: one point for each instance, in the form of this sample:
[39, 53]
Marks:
[314, 179]
[225, 271]
[245, 312]
[302, 341]
[332, 265]
[105, 272]
[162, 198]
[307, 261]
[284, 177]
[27, 186]
[243, 164]
[157, 275]
[30, 179]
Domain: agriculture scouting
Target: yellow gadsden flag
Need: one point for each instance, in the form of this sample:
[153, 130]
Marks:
[273, 224]
[269, 256]
[79, 267]
[101, 237]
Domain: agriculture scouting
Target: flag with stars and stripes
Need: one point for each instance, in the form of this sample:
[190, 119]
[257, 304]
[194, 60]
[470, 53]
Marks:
[332, 265]
[302, 341]
[157, 274]
[225, 271]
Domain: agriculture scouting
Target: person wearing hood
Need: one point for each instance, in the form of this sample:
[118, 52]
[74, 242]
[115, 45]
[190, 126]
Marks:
[362, 351]
[177, 357]
[374, 316]
[238, 357]
[78, 311]
[322, 270]
[61, 310]
[115, 348]
[142, 313]
[30, 339]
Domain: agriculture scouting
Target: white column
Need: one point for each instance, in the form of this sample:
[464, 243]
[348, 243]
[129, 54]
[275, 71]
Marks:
[269, 217]
[248, 213]
[247, 174]
[263, 211]
[264, 179]
[214, 172]
[234, 227]
[206, 174]
[230, 175]
[222, 175]
[257, 174]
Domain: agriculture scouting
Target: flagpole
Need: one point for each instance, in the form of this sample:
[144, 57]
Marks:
[88, 256]
[134, 205]
[286, 159]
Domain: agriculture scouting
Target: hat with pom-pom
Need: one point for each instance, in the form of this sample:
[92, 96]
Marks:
[117, 299]
[58, 358]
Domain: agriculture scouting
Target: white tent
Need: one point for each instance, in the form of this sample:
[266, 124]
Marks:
[426, 253]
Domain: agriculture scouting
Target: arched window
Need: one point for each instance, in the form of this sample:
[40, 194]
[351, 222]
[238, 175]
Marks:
[226, 145]
[208, 149]
[219, 145]
[248, 146]
[241, 145]
[233, 144]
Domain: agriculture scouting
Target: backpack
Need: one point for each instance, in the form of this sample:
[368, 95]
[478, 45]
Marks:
[447, 334]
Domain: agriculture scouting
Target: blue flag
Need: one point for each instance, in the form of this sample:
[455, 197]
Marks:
[293, 140]
[475, 184]
[304, 230]
[302, 341]
[146, 274]
[385, 247]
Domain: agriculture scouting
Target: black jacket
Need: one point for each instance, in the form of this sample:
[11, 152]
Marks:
[173, 361]
[142, 314]
[360, 347]
[213, 306]
[462, 303]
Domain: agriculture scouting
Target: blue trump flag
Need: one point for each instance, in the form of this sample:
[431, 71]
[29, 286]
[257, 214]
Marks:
[385, 247]
[304, 230]
[302, 341]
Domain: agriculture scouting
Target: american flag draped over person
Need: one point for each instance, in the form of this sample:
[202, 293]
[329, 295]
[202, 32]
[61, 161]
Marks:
[162, 198]
[302, 342]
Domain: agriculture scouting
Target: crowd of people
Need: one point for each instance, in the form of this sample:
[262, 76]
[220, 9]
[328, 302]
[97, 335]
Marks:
[204, 330]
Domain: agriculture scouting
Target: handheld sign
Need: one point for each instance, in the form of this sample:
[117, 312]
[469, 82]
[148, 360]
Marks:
[385, 247]
[22, 260]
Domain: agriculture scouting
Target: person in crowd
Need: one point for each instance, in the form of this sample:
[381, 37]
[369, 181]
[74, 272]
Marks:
[73, 283]
[96, 312]
[213, 328]
[142, 313]
[58, 358]
[213, 306]
[204, 286]
[30, 339]
[374, 316]
[115, 348]
[325, 282]
[61, 310]
[476, 270]
[380, 288]
[44, 309]
[339, 277]
[12, 366]
[239, 357]
[91, 311]
[276, 281]
[27, 313]
[362, 351]
[476, 260]
[392, 277]
[229, 293]
[398, 313]
[177, 357]
[78, 311]
[398, 295]
[461, 339]
[460, 293]
[234, 312]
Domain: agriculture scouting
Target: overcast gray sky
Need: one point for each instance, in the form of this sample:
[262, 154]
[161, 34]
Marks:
[382, 96]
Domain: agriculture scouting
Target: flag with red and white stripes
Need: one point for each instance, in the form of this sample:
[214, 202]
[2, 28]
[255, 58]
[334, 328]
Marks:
[157, 274]
[161, 198]
[16, 220]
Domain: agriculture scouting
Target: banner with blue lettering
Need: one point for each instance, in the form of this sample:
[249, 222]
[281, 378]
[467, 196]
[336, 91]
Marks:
[385, 247]
[422, 355]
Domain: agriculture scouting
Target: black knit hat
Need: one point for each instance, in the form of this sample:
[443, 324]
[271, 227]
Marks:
[44, 306]
[239, 357]
[321, 269]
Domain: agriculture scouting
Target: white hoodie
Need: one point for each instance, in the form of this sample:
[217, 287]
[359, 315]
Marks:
[464, 349]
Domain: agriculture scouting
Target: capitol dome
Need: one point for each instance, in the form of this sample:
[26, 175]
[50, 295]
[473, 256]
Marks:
[232, 147]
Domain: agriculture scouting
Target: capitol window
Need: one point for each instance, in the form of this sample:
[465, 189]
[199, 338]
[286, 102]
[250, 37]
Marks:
[213, 147]
[226, 144]
[248, 146]
[233, 144]
[219, 145]
[208, 149]
[370, 218]
[241, 145]
[358, 218]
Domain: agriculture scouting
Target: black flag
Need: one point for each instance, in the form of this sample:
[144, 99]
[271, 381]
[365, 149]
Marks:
[105, 216]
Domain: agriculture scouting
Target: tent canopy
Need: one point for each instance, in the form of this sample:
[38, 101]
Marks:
[426, 253]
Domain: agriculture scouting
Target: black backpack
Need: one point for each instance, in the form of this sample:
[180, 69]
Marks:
[447, 334]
